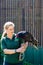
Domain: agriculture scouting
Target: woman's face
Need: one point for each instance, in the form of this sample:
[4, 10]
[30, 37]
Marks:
[10, 30]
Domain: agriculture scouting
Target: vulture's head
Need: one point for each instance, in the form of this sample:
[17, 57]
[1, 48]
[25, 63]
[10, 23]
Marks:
[26, 36]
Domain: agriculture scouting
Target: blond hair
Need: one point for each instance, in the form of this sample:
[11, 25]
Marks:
[6, 26]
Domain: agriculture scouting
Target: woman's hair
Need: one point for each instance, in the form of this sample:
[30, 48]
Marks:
[6, 26]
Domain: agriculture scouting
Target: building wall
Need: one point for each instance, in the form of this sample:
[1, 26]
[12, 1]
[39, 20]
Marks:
[26, 14]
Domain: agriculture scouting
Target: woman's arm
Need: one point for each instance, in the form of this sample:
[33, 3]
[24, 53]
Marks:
[19, 50]
[13, 51]
[9, 51]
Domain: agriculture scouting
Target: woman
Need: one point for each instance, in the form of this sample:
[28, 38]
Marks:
[10, 46]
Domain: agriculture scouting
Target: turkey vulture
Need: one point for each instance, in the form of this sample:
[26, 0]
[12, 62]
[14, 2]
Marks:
[26, 36]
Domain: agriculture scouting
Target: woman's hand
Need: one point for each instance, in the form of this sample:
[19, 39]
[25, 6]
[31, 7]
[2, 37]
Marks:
[22, 48]
[19, 50]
